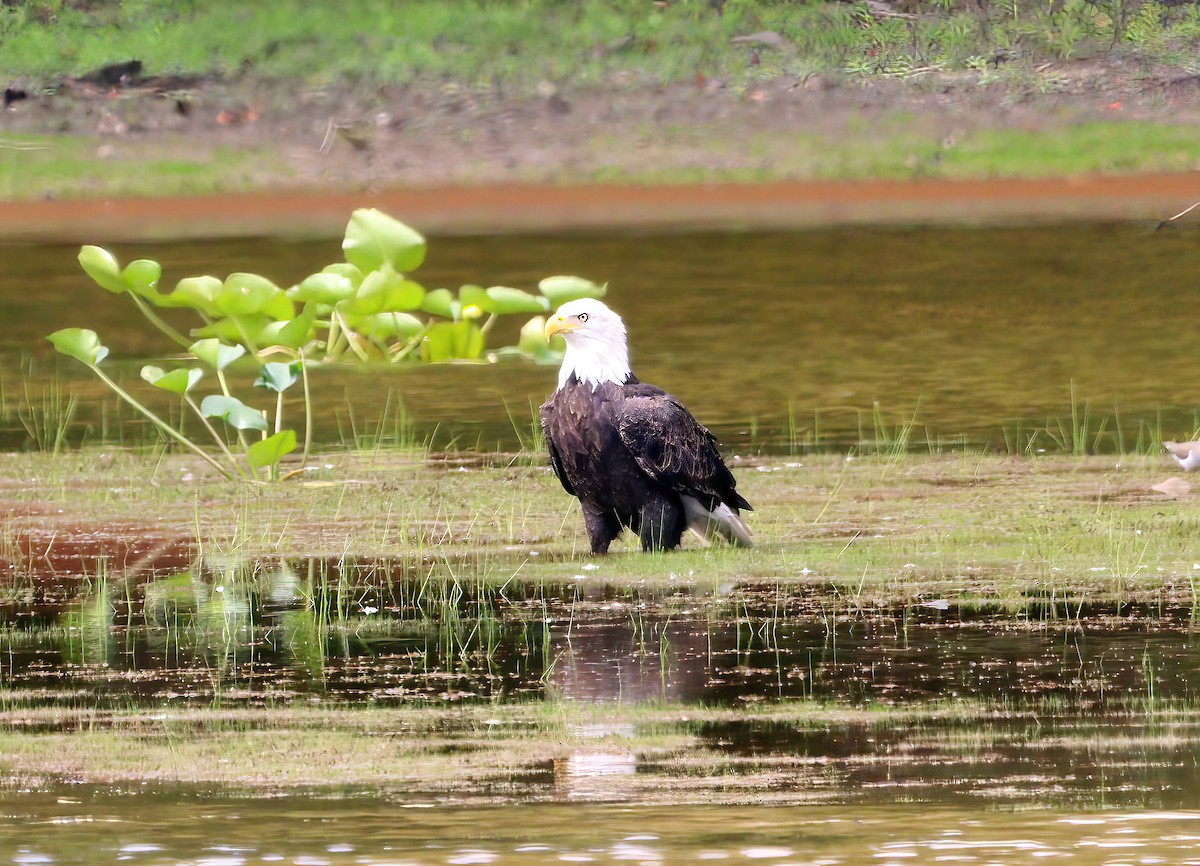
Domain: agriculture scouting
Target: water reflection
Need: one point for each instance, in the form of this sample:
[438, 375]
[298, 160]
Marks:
[395, 631]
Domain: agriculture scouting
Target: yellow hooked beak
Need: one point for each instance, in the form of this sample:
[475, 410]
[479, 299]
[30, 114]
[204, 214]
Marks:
[558, 325]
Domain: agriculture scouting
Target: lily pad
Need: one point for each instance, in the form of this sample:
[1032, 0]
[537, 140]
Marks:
[475, 296]
[374, 238]
[233, 412]
[324, 288]
[178, 381]
[442, 303]
[533, 342]
[386, 326]
[559, 290]
[194, 293]
[293, 333]
[506, 301]
[278, 375]
[245, 294]
[142, 276]
[347, 270]
[229, 330]
[101, 265]
[215, 353]
[271, 450]
[81, 344]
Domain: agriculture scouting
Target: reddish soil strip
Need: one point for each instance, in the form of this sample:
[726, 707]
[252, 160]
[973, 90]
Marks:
[539, 208]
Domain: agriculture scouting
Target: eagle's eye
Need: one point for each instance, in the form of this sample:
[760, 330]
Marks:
[583, 317]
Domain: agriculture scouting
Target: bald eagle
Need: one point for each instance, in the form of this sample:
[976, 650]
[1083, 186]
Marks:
[631, 453]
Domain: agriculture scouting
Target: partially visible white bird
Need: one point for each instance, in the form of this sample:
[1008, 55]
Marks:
[1186, 454]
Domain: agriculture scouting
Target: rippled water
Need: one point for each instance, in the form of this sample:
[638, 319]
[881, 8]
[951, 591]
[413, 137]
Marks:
[967, 332]
[177, 827]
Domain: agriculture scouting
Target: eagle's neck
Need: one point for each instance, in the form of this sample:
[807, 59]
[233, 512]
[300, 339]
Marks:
[595, 359]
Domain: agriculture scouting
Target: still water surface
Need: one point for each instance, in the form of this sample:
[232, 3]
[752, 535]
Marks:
[972, 332]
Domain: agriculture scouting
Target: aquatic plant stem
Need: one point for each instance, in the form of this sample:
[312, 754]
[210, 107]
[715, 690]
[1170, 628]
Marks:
[161, 424]
[215, 435]
[147, 311]
[308, 417]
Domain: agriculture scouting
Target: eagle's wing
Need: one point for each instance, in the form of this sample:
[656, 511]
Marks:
[555, 459]
[675, 449]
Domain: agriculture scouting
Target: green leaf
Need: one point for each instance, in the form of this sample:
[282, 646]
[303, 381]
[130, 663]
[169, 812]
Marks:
[324, 288]
[404, 295]
[475, 296]
[292, 334]
[372, 294]
[178, 381]
[347, 270]
[442, 303]
[245, 294]
[81, 344]
[271, 450]
[228, 330]
[506, 301]
[373, 238]
[533, 342]
[194, 293]
[278, 375]
[559, 290]
[215, 353]
[450, 341]
[385, 326]
[280, 307]
[101, 265]
[142, 277]
[233, 412]
[381, 291]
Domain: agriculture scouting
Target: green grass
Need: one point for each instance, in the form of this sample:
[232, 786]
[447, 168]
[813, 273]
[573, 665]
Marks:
[904, 149]
[891, 529]
[483, 57]
[36, 166]
[521, 44]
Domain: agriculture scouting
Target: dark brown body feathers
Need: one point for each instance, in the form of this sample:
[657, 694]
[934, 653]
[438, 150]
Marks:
[629, 452]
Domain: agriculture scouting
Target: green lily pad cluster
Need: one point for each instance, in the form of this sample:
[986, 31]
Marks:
[365, 308]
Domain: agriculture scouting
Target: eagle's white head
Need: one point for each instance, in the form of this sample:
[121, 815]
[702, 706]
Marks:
[596, 348]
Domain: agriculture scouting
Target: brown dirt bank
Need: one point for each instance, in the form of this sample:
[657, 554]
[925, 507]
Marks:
[539, 207]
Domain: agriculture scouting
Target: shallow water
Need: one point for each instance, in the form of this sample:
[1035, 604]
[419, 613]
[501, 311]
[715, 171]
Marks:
[173, 826]
[967, 332]
[390, 634]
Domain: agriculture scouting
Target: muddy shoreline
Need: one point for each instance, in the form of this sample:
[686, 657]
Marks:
[531, 208]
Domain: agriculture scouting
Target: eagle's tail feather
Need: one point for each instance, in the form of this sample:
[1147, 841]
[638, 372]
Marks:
[722, 520]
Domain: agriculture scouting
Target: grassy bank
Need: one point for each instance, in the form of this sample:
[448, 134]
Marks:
[526, 45]
[290, 95]
[889, 530]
